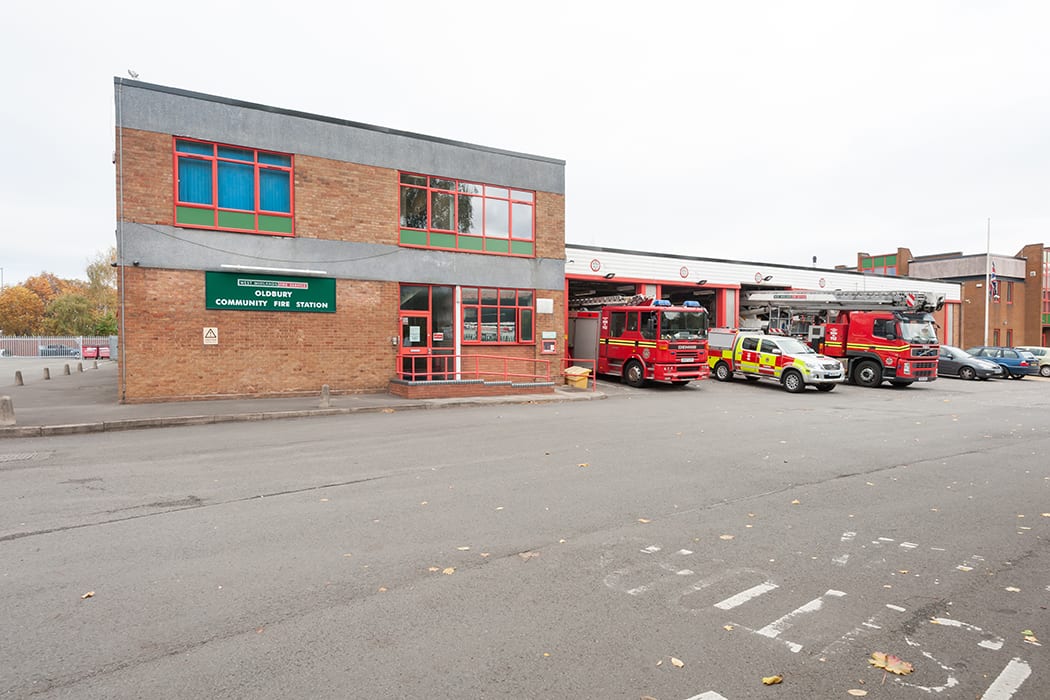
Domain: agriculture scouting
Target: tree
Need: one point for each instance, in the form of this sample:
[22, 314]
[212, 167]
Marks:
[21, 311]
[69, 314]
[46, 286]
[102, 288]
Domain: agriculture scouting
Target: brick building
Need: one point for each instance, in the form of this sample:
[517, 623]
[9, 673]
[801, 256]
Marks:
[267, 252]
[1013, 289]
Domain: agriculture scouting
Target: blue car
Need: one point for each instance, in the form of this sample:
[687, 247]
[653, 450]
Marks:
[1017, 364]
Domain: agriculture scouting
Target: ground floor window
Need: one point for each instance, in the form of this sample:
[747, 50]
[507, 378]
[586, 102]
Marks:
[500, 316]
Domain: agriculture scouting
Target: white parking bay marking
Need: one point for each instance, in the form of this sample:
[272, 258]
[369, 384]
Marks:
[773, 629]
[1011, 678]
[744, 596]
[709, 695]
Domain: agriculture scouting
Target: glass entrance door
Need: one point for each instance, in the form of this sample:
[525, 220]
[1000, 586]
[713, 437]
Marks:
[415, 346]
[428, 338]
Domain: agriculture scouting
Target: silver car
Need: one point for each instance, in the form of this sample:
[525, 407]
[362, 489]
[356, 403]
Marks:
[956, 362]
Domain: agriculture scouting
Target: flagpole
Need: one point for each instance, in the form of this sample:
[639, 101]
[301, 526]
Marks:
[987, 279]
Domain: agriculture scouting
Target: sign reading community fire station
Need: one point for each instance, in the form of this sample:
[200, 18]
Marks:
[241, 291]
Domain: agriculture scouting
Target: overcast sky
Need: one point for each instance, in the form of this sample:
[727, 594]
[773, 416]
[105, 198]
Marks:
[764, 131]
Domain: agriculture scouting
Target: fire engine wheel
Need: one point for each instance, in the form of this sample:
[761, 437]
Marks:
[722, 372]
[634, 374]
[793, 381]
[868, 374]
[967, 373]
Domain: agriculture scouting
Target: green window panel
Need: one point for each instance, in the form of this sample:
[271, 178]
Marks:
[191, 216]
[522, 247]
[275, 224]
[496, 245]
[409, 237]
[471, 243]
[237, 220]
[443, 240]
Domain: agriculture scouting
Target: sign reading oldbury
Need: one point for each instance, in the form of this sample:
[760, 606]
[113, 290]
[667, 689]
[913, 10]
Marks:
[250, 292]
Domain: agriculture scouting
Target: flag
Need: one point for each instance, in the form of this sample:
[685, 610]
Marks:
[993, 284]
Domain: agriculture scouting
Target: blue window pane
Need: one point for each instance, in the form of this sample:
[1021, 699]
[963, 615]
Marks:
[194, 181]
[275, 193]
[204, 149]
[274, 159]
[237, 154]
[236, 186]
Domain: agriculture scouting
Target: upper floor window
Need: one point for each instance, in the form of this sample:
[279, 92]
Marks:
[452, 214]
[879, 265]
[232, 188]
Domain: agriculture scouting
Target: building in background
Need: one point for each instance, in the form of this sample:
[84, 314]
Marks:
[268, 252]
[1013, 289]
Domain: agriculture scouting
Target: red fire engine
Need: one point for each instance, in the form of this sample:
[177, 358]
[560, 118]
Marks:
[878, 336]
[641, 339]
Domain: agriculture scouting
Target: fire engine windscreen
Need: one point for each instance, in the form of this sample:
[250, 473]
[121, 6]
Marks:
[918, 330]
[683, 325]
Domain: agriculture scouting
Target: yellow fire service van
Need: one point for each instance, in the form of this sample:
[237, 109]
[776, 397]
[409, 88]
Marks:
[779, 357]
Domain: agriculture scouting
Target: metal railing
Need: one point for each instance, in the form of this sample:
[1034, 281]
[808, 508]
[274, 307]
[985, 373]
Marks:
[489, 368]
[57, 345]
[590, 380]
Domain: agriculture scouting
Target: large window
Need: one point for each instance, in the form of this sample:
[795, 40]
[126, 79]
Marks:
[228, 187]
[493, 315]
[457, 215]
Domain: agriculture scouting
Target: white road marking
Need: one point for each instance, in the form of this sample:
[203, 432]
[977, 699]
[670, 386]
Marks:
[744, 596]
[1007, 683]
[651, 549]
[995, 643]
[684, 552]
[709, 695]
[841, 561]
[896, 607]
[886, 539]
[773, 629]
[848, 536]
[909, 545]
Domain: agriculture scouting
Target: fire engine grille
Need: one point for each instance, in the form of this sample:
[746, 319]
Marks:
[924, 352]
[919, 366]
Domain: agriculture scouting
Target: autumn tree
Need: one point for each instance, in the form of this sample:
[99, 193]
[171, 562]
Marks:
[46, 286]
[21, 311]
[69, 314]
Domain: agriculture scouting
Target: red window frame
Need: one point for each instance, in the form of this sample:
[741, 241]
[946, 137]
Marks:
[521, 308]
[514, 198]
[214, 207]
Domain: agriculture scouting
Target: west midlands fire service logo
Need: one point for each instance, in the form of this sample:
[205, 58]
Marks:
[595, 265]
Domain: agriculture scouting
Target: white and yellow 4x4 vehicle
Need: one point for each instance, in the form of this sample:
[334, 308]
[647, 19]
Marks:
[782, 358]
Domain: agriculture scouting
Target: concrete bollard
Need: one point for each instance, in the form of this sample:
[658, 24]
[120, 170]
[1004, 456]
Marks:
[66, 370]
[7, 411]
[95, 366]
[80, 366]
[18, 378]
[47, 373]
[326, 397]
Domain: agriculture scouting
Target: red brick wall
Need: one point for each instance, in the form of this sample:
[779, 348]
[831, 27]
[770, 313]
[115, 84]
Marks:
[148, 171]
[259, 353]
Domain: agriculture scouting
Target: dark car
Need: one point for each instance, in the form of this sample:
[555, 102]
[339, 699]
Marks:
[955, 362]
[57, 350]
[1018, 364]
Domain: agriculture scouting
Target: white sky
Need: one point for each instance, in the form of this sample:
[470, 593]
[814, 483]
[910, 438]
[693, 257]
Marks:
[767, 131]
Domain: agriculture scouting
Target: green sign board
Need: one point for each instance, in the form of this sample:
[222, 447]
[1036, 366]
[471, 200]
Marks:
[242, 291]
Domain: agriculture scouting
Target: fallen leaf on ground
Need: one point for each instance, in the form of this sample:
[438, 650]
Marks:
[1013, 589]
[382, 589]
[388, 410]
[644, 520]
[677, 663]
[773, 680]
[528, 555]
[796, 502]
[725, 537]
[891, 663]
[727, 628]
[434, 569]
[463, 549]
[449, 570]
[583, 464]
[422, 503]
[857, 692]
[89, 594]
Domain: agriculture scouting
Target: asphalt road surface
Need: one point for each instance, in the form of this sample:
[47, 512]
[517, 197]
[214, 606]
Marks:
[664, 543]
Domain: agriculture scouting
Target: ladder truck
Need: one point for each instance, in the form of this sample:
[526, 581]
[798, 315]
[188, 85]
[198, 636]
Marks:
[640, 339]
[877, 335]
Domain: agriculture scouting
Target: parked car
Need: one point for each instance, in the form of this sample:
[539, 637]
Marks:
[58, 350]
[1017, 363]
[956, 362]
[1043, 356]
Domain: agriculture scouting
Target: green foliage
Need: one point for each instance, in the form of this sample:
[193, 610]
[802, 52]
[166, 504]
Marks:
[69, 314]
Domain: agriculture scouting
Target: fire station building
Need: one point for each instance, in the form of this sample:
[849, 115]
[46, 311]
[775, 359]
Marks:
[267, 252]
[719, 285]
